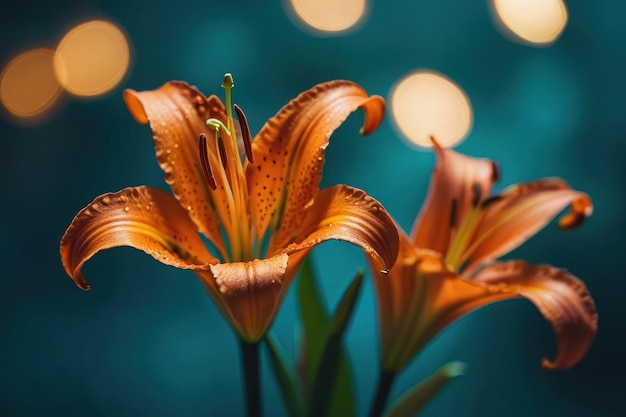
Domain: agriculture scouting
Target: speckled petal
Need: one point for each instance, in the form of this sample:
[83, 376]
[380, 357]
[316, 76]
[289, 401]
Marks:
[349, 214]
[177, 114]
[144, 218]
[289, 152]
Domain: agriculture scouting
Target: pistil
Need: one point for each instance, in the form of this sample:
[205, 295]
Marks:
[229, 175]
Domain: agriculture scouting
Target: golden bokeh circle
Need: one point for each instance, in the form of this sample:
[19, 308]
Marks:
[92, 58]
[538, 22]
[426, 104]
[28, 85]
[329, 15]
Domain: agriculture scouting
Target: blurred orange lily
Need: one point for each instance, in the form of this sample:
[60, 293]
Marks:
[261, 213]
[446, 267]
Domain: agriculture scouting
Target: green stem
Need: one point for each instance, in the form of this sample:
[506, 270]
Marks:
[250, 359]
[382, 393]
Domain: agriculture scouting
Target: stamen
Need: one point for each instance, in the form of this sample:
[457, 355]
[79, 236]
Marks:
[206, 163]
[222, 149]
[490, 200]
[453, 209]
[496, 172]
[478, 194]
[245, 133]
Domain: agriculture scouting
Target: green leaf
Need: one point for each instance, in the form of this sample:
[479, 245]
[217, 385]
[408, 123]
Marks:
[417, 397]
[285, 375]
[328, 366]
[315, 319]
[346, 306]
[315, 327]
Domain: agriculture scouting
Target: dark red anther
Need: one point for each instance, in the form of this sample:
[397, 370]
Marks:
[453, 209]
[490, 200]
[245, 133]
[222, 150]
[496, 171]
[206, 163]
[478, 194]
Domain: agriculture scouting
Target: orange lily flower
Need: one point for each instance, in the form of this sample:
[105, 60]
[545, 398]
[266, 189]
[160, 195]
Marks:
[446, 267]
[261, 213]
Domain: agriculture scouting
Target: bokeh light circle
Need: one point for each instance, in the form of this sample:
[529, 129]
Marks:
[28, 85]
[538, 22]
[425, 104]
[92, 58]
[330, 15]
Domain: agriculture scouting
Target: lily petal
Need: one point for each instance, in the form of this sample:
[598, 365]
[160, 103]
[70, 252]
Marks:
[177, 114]
[248, 293]
[420, 297]
[144, 218]
[289, 153]
[457, 185]
[401, 295]
[417, 300]
[349, 214]
[523, 210]
[560, 297]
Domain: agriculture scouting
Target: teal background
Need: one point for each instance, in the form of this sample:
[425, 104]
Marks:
[147, 339]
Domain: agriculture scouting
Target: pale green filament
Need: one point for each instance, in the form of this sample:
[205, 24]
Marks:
[236, 218]
[461, 239]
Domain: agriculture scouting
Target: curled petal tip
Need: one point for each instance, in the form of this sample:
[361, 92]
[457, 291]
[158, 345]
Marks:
[560, 297]
[547, 365]
[582, 208]
[135, 107]
[374, 109]
[80, 282]
[571, 221]
[384, 262]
